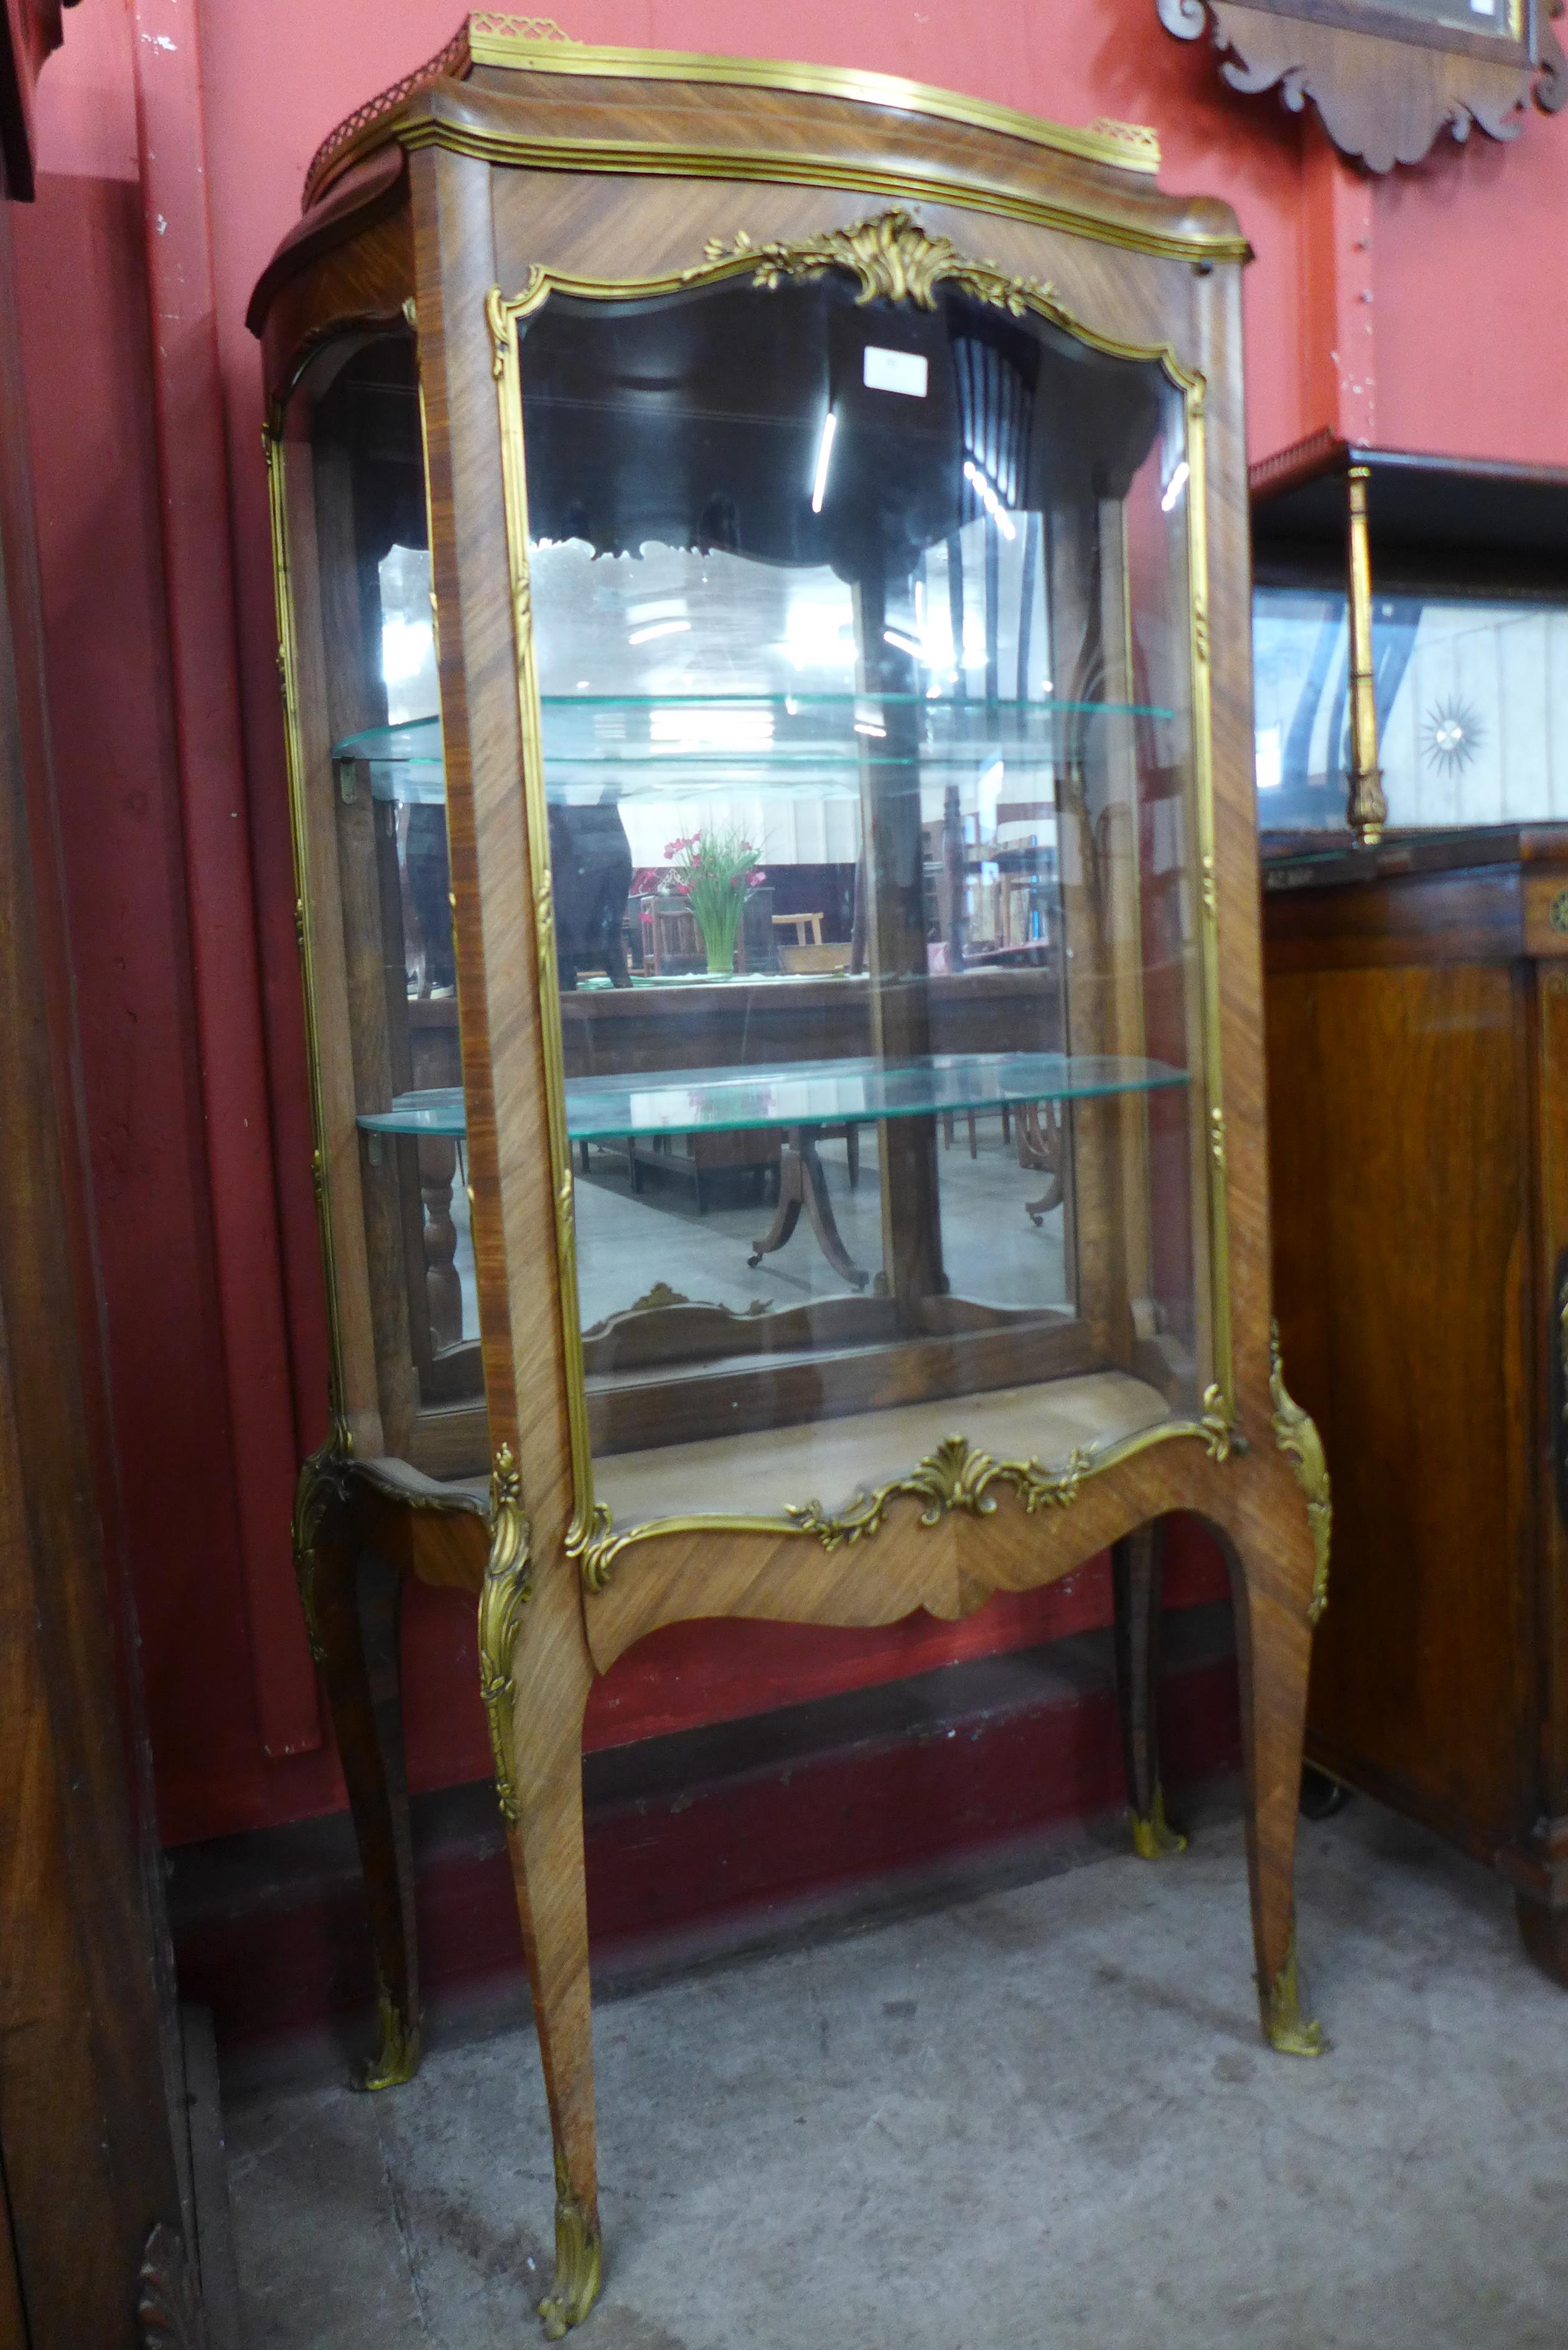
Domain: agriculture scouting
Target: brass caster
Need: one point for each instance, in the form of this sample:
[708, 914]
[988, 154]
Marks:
[398, 2051]
[1284, 2026]
[1153, 1838]
[578, 2262]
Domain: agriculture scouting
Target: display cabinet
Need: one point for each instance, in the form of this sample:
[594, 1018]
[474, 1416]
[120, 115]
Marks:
[693, 480]
[1418, 1043]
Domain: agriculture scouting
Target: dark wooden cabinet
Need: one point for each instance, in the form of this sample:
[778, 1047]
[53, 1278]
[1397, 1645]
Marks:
[1418, 1042]
[1410, 623]
[96, 2249]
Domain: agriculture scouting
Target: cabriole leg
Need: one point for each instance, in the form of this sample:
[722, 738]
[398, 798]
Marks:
[536, 1674]
[1136, 1561]
[1272, 1583]
[351, 1609]
[553, 1909]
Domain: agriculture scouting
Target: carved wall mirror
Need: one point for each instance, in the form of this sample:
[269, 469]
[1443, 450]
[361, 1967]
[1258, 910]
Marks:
[1387, 75]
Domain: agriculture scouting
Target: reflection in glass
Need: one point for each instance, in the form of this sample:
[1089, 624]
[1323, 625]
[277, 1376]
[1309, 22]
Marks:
[1472, 709]
[882, 612]
[370, 525]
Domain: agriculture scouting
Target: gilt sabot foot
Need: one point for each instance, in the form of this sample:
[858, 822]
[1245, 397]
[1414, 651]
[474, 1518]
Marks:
[1153, 1838]
[398, 2050]
[1284, 2026]
[578, 2261]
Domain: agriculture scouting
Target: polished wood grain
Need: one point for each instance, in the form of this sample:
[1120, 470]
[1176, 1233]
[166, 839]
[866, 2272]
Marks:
[1419, 1103]
[536, 111]
[1539, 1859]
[88, 2164]
[1544, 912]
[612, 179]
[1398, 1204]
[1467, 918]
[500, 976]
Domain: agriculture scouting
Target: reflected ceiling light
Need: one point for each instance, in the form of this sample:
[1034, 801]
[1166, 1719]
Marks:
[684, 729]
[658, 628]
[990, 796]
[824, 456]
[1175, 486]
[902, 641]
[406, 647]
[985, 490]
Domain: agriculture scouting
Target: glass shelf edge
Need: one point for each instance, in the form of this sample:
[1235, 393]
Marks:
[440, 1112]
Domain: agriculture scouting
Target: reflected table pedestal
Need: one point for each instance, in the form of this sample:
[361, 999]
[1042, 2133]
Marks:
[803, 1184]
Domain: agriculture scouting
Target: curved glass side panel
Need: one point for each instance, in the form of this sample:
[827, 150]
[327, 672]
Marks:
[861, 635]
[371, 820]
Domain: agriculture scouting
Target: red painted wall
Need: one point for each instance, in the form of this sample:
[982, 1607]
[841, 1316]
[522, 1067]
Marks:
[172, 146]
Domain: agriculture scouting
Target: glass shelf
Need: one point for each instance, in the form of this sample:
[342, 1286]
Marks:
[803, 1093]
[819, 744]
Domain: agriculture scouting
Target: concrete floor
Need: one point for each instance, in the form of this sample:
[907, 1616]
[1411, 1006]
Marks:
[1040, 2116]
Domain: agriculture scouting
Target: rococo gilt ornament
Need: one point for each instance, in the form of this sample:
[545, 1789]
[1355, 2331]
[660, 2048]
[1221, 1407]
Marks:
[891, 256]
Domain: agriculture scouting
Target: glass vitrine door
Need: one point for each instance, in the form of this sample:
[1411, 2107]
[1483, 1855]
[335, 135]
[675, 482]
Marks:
[859, 724]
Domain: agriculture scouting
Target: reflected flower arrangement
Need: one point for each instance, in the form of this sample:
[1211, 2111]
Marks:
[713, 870]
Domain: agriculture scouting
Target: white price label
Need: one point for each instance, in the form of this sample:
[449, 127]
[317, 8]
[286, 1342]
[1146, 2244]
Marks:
[904, 372]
